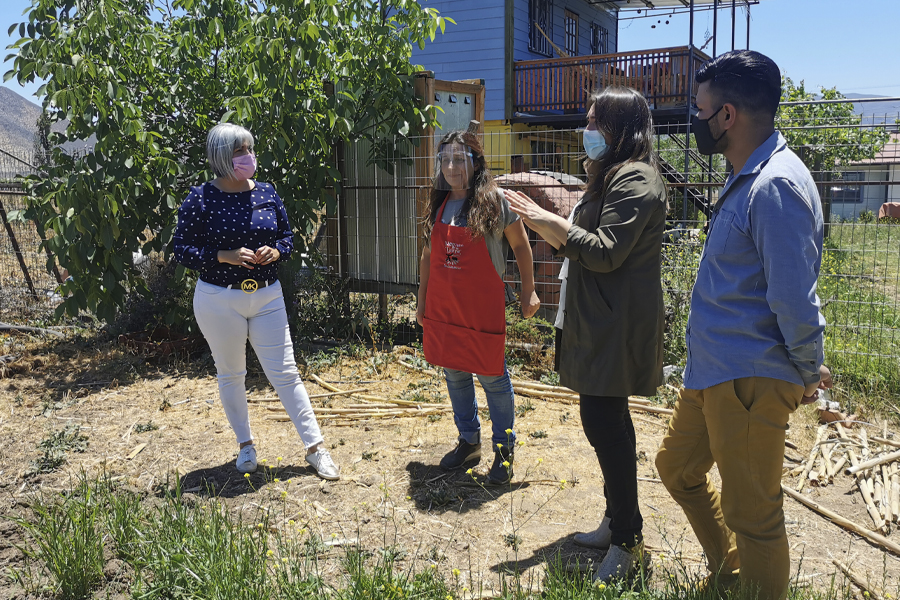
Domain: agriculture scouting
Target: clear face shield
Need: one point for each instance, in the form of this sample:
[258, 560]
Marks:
[453, 168]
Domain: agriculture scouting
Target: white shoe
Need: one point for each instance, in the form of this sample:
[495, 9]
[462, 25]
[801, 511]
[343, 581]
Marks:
[246, 460]
[622, 563]
[598, 538]
[323, 464]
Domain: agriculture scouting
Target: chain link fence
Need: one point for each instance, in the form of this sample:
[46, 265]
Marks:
[361, 272]
[27, 288]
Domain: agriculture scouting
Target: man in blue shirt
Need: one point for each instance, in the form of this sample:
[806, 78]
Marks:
[754, 334]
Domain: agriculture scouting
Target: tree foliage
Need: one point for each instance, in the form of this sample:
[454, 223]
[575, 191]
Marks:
[149, 78]
[827, 136]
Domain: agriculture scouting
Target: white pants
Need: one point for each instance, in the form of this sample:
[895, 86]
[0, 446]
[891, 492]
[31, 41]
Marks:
[227, 317]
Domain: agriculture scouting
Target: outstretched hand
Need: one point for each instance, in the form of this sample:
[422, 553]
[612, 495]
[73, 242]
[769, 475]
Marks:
[524, 206]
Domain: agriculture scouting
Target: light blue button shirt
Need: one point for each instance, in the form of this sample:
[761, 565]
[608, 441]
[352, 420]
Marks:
[754, 308]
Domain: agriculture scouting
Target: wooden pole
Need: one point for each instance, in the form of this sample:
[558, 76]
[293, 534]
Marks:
[886, 498]
[878, 460]
[859, 581]
[17, 250]
[837, 519]
[823, 430]
[895, 495]
[861, 482]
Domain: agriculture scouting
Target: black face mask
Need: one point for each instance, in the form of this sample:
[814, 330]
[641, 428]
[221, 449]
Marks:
[706, 143]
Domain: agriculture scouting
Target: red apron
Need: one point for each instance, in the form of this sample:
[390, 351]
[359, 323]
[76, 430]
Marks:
[465, 315]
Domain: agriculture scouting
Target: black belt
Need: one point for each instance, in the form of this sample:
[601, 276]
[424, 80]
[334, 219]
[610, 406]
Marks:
[248, 286]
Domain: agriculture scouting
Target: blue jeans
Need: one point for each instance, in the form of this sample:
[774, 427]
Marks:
[501, 404]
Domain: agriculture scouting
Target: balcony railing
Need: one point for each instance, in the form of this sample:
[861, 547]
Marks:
[563, 85]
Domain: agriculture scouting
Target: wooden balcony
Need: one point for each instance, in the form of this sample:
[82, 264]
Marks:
[562, 86]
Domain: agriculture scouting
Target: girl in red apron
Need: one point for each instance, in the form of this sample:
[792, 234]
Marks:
[461, 304]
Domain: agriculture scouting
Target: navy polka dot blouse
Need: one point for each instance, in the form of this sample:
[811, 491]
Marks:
[210, 220]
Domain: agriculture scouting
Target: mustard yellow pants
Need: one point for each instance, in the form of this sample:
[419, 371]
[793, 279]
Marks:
[739, 425]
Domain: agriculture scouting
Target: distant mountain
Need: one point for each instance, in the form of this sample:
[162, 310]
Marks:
[876, 112]
[18, 125]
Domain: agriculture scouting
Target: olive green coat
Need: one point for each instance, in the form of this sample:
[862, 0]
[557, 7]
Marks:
[612, 338]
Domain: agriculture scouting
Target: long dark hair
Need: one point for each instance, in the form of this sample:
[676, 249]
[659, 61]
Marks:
[482, 207]
[622, 114]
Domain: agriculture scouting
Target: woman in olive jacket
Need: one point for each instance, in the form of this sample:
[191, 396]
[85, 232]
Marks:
[611, 312]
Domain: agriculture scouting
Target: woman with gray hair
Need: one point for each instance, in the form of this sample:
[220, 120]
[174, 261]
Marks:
[233, 230]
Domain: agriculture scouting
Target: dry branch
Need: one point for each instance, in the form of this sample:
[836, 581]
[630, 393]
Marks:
[878, 460]
[886, 442]
[858, 580]
[820, 435]
[837, 519]
[864, 488]
[541, 390]
[312, 396]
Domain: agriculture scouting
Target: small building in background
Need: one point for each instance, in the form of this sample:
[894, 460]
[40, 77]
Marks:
[869, 186]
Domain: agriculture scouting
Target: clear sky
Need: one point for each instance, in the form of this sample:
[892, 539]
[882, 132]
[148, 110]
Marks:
[853, 46]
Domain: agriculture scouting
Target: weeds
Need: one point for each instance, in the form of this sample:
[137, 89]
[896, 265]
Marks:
[54, 449]
[64, 538]
[524, 407]
[145, 427]
[175, 548]
[550, 378]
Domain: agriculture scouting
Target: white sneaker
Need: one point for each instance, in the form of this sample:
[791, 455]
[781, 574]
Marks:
[323, 464]
[598, 538]
[246, 460]
[622, 563]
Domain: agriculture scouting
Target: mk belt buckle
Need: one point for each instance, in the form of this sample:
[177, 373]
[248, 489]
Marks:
[248, 286]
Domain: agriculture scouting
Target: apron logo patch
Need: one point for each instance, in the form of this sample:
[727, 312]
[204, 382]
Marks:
[452, 253]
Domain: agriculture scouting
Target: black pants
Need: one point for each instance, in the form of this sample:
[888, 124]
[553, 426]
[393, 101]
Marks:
[608, 427]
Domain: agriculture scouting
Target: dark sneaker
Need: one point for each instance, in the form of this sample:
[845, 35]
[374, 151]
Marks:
[462, 454]
[502, 470]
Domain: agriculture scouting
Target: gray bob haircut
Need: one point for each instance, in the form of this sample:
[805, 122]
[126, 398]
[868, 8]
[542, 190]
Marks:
[221, 142]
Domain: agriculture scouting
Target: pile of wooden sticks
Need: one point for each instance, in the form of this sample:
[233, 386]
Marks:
[872, 462]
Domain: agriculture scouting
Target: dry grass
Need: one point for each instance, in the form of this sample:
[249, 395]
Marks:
[391, 494]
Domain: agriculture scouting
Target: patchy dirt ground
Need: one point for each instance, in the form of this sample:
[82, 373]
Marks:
[391, 492]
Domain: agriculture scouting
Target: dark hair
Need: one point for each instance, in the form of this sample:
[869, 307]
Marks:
[482, 207]
[622, 114]
[749, 80]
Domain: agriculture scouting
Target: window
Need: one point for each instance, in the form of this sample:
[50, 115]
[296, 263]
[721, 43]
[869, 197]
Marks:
[571, 33]
[545, 156]
[540, 14]
[599, 39]
[843, 190]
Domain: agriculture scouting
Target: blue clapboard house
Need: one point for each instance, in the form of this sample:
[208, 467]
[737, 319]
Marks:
[541, 59]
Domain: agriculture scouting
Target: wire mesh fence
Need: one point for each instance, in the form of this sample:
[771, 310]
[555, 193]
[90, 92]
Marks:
[27, 287]
[361, 273]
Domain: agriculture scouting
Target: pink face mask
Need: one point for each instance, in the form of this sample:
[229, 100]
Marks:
[244, 166]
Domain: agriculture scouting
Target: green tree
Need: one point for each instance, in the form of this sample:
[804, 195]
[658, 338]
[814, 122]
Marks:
[826, 136]
[150, 77]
